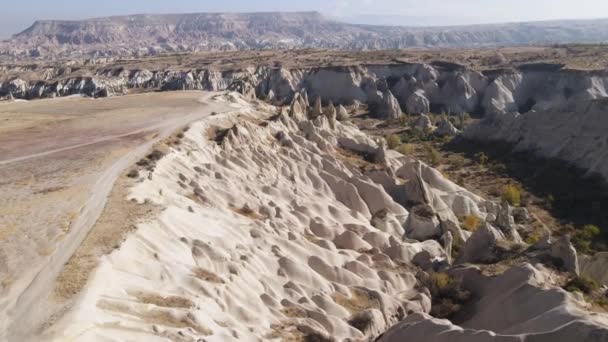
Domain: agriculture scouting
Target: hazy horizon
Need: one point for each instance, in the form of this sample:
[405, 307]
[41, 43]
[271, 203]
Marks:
[19, 16]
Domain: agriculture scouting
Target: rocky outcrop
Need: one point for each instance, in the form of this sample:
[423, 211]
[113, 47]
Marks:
[595, 267]
[317, 108]
[506, 315]
[480, 247]
[417, 103]
[446, 128]
[563, 250]
[388, 107]
[342, 113]
[423, 123]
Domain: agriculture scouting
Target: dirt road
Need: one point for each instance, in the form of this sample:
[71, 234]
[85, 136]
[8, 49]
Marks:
[58, 162]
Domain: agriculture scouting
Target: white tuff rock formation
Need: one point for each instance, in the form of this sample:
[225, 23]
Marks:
[270, 231]
[417, 103]
[342, 113]
[423, 123]
[527, 314]
[446, 128]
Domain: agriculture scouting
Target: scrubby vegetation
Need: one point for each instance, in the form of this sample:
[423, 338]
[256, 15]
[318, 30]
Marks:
[583, 238]
[406, 149]
[559, 194]
[393, 141]
[470, 222]
[448, 295]
[582, 284]
[532, 237]
[434, 158]
[511, 194]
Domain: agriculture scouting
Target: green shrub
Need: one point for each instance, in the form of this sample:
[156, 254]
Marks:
[590, 231]
[581, 284]
[511, 194]
[393, 141]
[583, 238]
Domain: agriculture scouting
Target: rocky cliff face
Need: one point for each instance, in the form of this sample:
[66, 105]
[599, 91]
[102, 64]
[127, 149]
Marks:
[153, 34]
[557, 112]
[416, 87]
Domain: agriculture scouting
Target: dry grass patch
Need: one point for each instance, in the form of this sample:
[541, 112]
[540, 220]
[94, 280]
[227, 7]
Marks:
[294, 312]
[207, 276]
[167, 302]
[118, 219]
[50, 190]
[360, 300]
[287, 332]
[348, 156]
[246, 211]
[159, 316]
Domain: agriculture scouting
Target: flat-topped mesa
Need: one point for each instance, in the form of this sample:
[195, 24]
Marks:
[146, 34]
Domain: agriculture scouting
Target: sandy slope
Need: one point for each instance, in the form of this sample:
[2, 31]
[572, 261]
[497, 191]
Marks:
[71, 164]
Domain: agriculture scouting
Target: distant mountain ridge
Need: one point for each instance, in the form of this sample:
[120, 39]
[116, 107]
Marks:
[145, 34]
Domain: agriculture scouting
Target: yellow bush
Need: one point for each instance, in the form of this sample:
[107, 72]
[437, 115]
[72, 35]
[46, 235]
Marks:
[470, 222]
[532, 238]
[511, 194]
[441, 280]
[393, 141]
[433, 155]
[406, 149]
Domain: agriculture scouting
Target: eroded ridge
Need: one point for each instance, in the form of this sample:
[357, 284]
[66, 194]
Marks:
[288, 224]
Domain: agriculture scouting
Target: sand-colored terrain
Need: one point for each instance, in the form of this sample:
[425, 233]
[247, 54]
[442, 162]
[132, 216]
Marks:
[58, 161]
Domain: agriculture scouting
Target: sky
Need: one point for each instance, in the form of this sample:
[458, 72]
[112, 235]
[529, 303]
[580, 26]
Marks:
[18, 15]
